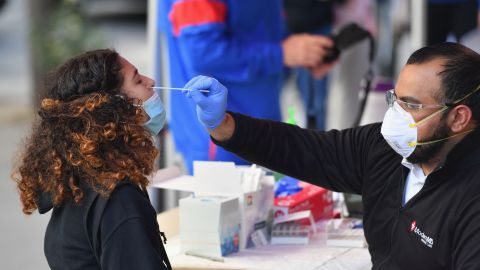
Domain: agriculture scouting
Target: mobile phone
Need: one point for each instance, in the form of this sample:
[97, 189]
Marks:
[346, 37]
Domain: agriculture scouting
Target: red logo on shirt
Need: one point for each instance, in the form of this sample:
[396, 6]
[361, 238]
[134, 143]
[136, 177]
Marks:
[196, 12]
[427, 240]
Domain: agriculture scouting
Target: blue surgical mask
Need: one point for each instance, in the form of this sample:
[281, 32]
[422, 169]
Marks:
[156, 111]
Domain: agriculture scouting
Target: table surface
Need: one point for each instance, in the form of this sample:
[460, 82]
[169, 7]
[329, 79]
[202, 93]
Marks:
[316, 255]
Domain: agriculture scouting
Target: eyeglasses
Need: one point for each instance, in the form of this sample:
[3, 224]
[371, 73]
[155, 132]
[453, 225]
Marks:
[391, 98]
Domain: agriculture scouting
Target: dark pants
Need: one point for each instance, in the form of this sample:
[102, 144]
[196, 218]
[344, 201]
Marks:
[454, 18]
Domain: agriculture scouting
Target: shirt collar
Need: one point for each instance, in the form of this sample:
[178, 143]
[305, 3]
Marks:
[415, 169]
[408, 164]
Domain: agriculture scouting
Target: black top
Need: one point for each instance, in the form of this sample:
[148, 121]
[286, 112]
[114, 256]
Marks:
[439, 228]
[128, 235]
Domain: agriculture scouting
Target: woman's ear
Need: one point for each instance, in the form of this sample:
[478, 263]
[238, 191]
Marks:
[459, 118]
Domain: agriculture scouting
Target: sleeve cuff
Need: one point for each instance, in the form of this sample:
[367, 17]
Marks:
[235, 140]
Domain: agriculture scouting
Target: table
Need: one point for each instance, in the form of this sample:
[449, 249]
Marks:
[314, 256]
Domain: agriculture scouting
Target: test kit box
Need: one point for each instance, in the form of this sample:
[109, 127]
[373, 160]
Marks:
[345, 232]
[209, 225]
[250, 185]
[316, 199]
[256, 208]
[296, 228]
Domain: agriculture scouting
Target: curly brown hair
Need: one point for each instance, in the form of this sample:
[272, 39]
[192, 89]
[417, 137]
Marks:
[87, 135]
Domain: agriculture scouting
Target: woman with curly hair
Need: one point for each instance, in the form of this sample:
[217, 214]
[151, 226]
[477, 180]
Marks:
[88, 159]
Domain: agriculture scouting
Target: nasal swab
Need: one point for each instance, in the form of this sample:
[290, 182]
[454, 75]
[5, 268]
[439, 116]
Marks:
[177, 89]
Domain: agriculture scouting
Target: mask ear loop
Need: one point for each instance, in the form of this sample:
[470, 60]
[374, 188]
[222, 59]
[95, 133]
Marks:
[439, 140]
[414, 125]
[447, 105]
[465, 97]
[412, 144]
[135, 102]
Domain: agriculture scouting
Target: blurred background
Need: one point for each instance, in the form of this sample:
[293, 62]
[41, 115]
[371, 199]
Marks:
[38, 35]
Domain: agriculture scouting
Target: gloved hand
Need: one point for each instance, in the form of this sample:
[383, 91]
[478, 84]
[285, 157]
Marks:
[211, 106]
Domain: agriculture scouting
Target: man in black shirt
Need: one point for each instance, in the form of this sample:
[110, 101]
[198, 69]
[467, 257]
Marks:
[418, 171]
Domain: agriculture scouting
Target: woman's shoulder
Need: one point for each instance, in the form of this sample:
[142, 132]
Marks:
[126, 204]
[129, 200]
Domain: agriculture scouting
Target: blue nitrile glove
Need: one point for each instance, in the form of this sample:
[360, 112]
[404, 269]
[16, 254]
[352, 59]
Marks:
[286, 186]
[211, 106]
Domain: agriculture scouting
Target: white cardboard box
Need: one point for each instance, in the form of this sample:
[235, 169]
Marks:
[225, 179]
[209, 225]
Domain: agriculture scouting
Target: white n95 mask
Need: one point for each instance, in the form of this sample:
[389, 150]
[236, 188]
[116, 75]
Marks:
[397, 130]
[400, 130]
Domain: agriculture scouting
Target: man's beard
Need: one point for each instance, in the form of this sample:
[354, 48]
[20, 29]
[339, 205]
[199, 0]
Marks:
[425, 153]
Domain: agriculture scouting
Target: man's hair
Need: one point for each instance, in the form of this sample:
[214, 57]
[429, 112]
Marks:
[460, 76]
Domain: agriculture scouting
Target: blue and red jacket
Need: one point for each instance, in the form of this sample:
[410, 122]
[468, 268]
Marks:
[236, 41]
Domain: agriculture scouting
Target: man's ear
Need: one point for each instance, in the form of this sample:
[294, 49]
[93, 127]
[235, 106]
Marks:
[459, 118]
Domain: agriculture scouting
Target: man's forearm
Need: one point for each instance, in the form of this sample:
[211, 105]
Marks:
[225, 130]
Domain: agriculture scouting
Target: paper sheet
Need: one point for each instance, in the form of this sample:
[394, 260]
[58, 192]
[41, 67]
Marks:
[213, 178]
[171, 178]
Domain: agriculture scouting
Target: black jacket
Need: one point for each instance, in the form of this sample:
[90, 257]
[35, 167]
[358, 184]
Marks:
[439, 228]
[128, 234]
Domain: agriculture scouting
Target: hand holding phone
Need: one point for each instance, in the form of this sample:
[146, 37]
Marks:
[346, 37]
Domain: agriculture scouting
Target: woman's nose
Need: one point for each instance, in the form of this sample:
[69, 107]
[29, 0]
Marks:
[150, 82]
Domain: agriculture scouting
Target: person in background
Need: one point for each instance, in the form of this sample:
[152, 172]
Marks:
[445, 17]
[87, 161]
[244, 44]
[314, 17]
[418, 170]
[2, 4]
